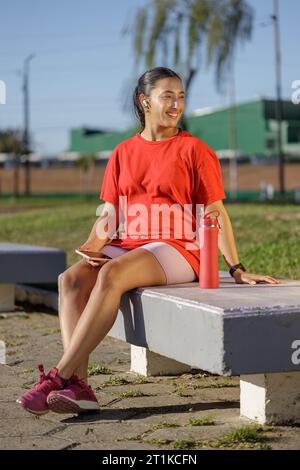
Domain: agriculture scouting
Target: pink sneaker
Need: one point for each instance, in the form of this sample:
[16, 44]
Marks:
[76, 397]
[35, 400]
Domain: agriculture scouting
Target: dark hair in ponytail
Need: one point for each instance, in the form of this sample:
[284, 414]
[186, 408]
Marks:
[146, 83]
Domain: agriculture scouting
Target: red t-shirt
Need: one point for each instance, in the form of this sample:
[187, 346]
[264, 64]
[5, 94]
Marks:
[176, 171]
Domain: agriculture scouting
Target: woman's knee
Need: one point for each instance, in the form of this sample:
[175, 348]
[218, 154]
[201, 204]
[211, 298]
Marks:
[108, 276]
[72, 279]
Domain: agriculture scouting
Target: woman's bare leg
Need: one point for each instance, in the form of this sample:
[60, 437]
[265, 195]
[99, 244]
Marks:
[74, 287]
[137, 268]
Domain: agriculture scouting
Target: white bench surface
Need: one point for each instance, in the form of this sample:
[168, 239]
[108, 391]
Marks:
[236, 329]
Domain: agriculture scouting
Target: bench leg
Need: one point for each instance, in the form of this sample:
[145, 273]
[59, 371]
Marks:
[145, 362]
[7, 297]
[2, 353]
[271, 398]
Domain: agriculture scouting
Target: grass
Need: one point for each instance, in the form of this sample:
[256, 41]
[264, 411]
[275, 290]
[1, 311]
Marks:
[183, 389]
[245, 437]
[27, 385]
[181, 444]
[178, 444]
[164, 425]
[217, 384]
[267, 236]
[204, 421]
[131, 394]
[97, 369]
[140, 380]
[62, 224]
[159, 442]
[28, 371]
[117, 380]
[13, 340]
[50, 331]
[251, 437]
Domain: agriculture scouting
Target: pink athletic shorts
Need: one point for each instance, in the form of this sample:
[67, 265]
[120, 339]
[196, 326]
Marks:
[177, 269]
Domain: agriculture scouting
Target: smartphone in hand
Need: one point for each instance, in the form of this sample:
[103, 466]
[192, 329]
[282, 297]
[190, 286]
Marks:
[92, 255]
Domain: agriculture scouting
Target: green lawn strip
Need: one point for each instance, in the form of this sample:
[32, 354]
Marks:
[267, 236]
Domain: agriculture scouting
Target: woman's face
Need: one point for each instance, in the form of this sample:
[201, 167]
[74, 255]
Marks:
[166, 102]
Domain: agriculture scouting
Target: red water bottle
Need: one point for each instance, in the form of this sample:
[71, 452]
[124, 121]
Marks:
[208, 237]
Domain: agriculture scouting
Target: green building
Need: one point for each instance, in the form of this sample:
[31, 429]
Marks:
[86, 141]
[253, 124]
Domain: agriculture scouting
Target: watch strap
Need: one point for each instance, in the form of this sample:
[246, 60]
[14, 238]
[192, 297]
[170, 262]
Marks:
[235, 267]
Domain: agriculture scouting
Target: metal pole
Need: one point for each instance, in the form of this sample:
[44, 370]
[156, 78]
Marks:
[275, 18]
[16, 189]
[233, 167]
[26, 137]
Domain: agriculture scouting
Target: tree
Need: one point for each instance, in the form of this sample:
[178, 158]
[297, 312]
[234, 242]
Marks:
[211, 27]
[11, 142]
[86, 163]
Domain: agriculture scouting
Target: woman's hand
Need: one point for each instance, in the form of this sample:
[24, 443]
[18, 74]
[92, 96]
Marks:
[243, 277]
[92, 246]
[96, 264]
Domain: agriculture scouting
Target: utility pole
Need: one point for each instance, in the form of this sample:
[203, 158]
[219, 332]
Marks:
[26, 136]
[233, 166]
[275, 18]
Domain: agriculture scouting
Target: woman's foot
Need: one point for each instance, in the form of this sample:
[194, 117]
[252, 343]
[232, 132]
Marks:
[76, 397]
[35, 400]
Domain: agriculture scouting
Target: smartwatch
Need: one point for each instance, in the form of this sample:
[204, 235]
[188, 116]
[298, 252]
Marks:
[235, 267]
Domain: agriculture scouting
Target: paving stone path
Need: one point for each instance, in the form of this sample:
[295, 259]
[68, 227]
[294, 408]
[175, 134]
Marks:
[191, 411]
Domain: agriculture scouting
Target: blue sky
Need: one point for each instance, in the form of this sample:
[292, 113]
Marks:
[83, 64]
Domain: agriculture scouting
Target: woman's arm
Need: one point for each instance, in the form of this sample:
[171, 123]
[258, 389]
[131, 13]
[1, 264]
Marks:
[228, 248]
[226, 238]
[103, 229]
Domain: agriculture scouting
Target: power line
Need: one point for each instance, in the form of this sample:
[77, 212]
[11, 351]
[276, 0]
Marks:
[14, 36]
[57, 106]
[71, 51]
[79, 126]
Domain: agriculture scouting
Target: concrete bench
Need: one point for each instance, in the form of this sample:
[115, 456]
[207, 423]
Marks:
[27, 264]
[238, 329]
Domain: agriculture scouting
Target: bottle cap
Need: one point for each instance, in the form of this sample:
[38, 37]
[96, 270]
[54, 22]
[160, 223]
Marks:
[210, 221]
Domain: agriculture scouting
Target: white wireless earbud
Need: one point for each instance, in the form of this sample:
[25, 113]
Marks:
[145, 103]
